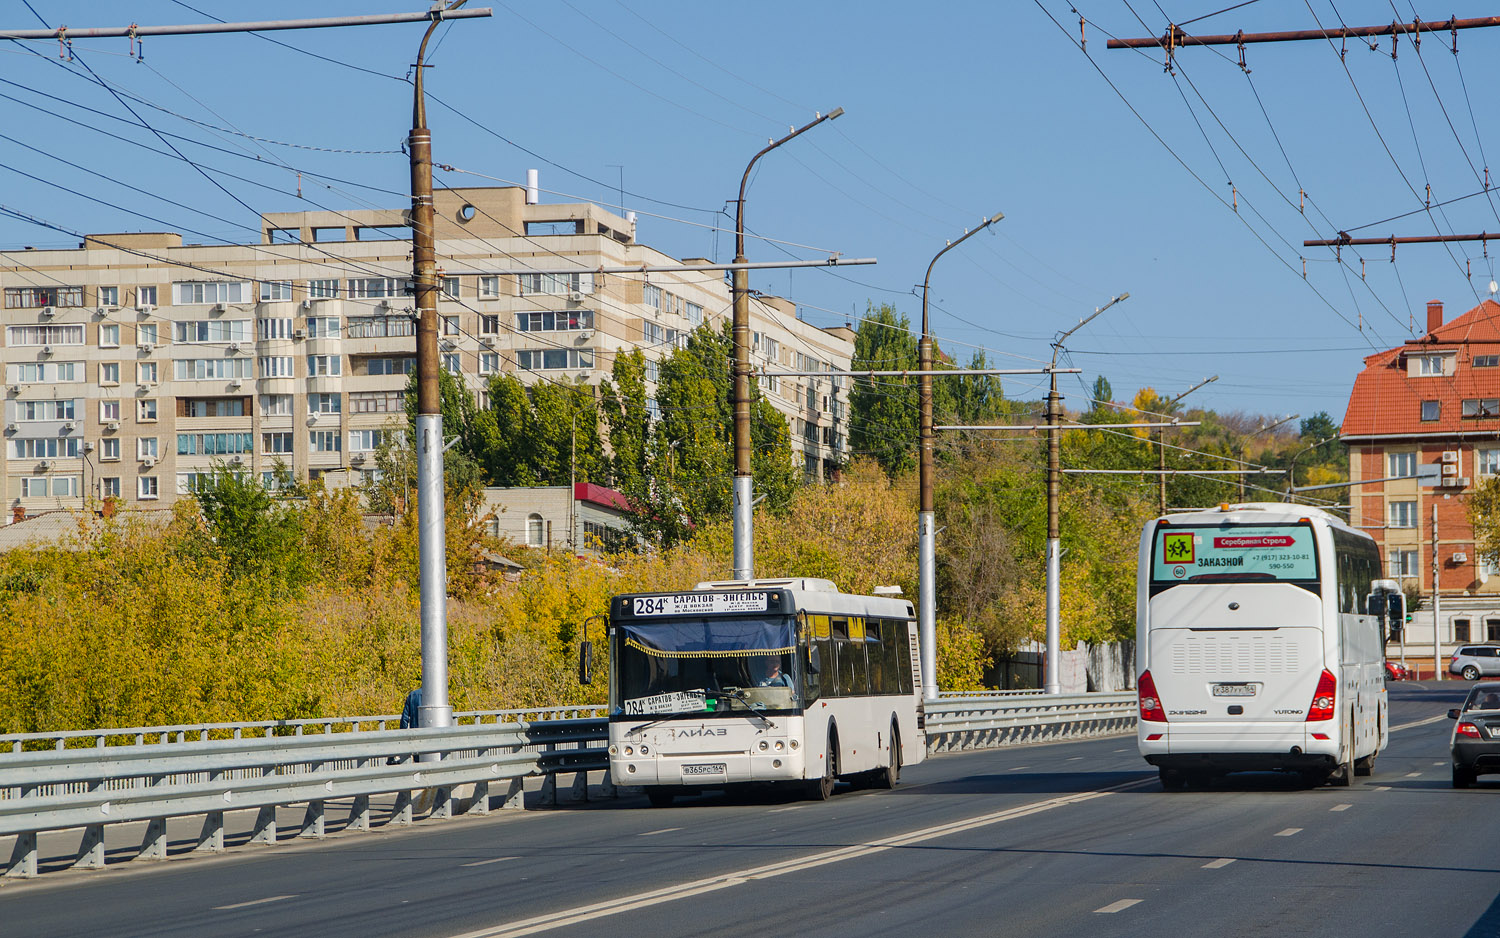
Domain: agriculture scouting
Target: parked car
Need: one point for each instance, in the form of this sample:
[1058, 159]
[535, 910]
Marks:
[1476, 734]
[1471, 662]
[1396, 671]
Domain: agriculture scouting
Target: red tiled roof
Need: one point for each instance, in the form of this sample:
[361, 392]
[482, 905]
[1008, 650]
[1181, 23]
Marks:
[1387, 401]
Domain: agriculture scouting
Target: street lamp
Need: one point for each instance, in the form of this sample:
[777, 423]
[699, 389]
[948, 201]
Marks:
[1291, 473]
[1245, 443]
[926, 518]
[744, 532]
[1161, 448]
[1053, 683]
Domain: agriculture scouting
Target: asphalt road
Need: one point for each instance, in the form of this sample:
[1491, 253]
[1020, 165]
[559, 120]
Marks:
[1063, 839]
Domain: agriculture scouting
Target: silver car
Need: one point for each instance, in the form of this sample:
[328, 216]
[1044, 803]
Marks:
[1472, 662]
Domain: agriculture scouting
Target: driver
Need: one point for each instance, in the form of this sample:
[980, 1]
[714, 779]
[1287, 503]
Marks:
[771, 673]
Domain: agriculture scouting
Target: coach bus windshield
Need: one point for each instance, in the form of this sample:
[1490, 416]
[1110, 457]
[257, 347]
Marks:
[1272, 553]
[693, 665]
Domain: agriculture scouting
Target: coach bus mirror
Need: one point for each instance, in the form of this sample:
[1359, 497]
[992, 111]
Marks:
[585, 662]
[1375, 604]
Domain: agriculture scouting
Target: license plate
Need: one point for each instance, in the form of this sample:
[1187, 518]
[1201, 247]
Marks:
[1234, 690]
[706, 768]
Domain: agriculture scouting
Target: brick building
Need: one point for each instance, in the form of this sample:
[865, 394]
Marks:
[1425, 419]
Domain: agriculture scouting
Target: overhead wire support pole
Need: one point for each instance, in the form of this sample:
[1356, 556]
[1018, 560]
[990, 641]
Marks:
[1052, 683]
[926, 515]
[261, 26]
[1344, 240]
[1175, 38]
[743, 524]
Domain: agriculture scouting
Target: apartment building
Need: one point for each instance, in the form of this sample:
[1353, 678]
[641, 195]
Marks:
[1425, 419]
[135, 362]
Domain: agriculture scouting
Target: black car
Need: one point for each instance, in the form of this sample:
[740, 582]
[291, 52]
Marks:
[1476, 734]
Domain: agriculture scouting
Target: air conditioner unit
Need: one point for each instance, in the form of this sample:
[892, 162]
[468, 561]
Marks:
[144, 308]
[1460, 557]
[48, 312]
[220, 307]
[585, 333]
[299, 333]
[1449, 469]
[46, 350]
[148, 461]
[12, 427]
[1461, 481]
[145, 346]
[488, 341]
[576, 296]
[236, 460]
[383, 304]
[1450, 455]
[237, 382]
[69, 427]
[13, 388]
[112, 425]
[44, 465]
[232, 347]
[307, 304]
[357, 458]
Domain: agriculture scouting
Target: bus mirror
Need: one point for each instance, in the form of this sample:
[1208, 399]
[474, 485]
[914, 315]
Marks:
[585, 662]
[1375, 604]
[1396, 613]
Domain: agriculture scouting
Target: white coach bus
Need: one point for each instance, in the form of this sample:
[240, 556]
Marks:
[1260, 644]
[781, 681]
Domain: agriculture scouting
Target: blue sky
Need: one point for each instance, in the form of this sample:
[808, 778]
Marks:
[1182, 189]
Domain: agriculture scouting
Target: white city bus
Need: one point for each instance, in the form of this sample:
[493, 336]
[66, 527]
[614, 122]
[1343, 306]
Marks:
[1260, 644]
[779, 681]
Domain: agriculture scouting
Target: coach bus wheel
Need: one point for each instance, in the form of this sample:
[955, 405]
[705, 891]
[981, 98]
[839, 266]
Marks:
[891, 774]
[1365, 765]
[660, 797]
[1171, 779]
[821, 789]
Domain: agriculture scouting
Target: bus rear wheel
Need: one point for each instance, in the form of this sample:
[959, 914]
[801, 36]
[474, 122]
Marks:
[889, 776]
[1171, 779]
[821, 789]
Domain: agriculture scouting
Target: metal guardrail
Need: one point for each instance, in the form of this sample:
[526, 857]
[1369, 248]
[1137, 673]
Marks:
[92, 778]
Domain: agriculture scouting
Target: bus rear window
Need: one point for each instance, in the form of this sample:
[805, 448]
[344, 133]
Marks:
[1234, 554]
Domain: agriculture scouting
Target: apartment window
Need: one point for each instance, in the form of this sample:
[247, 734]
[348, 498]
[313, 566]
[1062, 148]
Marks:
[145, 296]
[146, 488]
[109, 335]
[1460, 630]
[62, 334]
[109, 486]
[146, 373]
[450, 325]
[109, 296]
[277, 443]
[272, 291]
[1481, 408]
[64, 447]
[323, 403]
[451, 363]
[1430, 364]
[322, 327]
[145, 447]
[391, 366]
[211, 407]
[653, 371]
[1431, 410]
[1486, 361]
[489, 287]
[323, 441]
[43, 372]
[275, 366]
[380, 327]
[274, 329]
[550, 322]
[1401, 464]
[542, 359]
[651, 295]
[323, 365]
[534, 530]
[377, 402]
[378, 287]
[212, 369]
[489, 325]
[36, 297]
[109, 410]
[1487, 461]
[450, 287]
[489, 363]
[1491, 626]
[322, 289]
[204, 330]
[275, 405]
[653, 333]
[212, 291]
[555, 284]
[145, 410]
[213, 444]
[1403, 514]
[694, 314]
[109, 449]
[365, 441]
[146, 334]
[1403, 563]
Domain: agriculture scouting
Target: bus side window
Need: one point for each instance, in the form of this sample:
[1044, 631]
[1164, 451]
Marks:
[875, 649]
[813, 670]
[903, 656]
[829, 665]
[894, 635]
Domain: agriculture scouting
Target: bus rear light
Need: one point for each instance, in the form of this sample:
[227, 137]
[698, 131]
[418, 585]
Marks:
[1150, 702]
[1467, 729]
[1324, 698]
[1322, 736]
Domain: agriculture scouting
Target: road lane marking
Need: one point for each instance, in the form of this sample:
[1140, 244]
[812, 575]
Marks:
[246, 905]
[1440, 763]
[1417, 723]
[1218, 864]
[488, 862]
[586, 913]
[1413, 774]
[1075, 758]
[1289, 832]
[1020, 767]
[1341, 807]
[1119, 906]
[1122, 750]
[664, 830]
[795, 807]
[1381, 788]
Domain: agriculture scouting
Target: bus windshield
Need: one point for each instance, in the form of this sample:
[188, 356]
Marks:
[693, 665]
[1234, 554]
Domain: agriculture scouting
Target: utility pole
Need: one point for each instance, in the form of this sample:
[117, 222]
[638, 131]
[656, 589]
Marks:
[1053, 682]
[1175, 38]
[1161, 449]
[1437, 602]
[926, 516]
[744, 530]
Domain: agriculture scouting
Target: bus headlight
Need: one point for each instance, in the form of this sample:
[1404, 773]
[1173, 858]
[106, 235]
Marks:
[794, 744]
[644, 750]
[630, 768]
[764, 745]
[779, 745]
[614, 750]
[629, 750]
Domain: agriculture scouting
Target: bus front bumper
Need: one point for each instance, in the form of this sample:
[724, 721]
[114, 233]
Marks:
[707, 770]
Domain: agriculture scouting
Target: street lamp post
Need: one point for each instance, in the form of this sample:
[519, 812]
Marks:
[1161, 449]
[1053, 681]
[926, 517]
[1291, 473]
[744, 532]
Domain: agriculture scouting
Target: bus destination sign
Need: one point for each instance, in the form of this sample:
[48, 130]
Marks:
[688, 604]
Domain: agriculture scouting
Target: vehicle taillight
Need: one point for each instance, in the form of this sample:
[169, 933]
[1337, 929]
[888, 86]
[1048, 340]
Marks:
[1151, 708]
[1324, 697]
[1468, 729]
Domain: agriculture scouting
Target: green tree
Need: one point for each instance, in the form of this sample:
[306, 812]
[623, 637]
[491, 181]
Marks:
[883, 412]
[623, 404]
[257, 534]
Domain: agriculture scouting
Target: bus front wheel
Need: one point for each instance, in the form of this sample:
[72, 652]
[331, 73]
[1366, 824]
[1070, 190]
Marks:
[821, 789]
